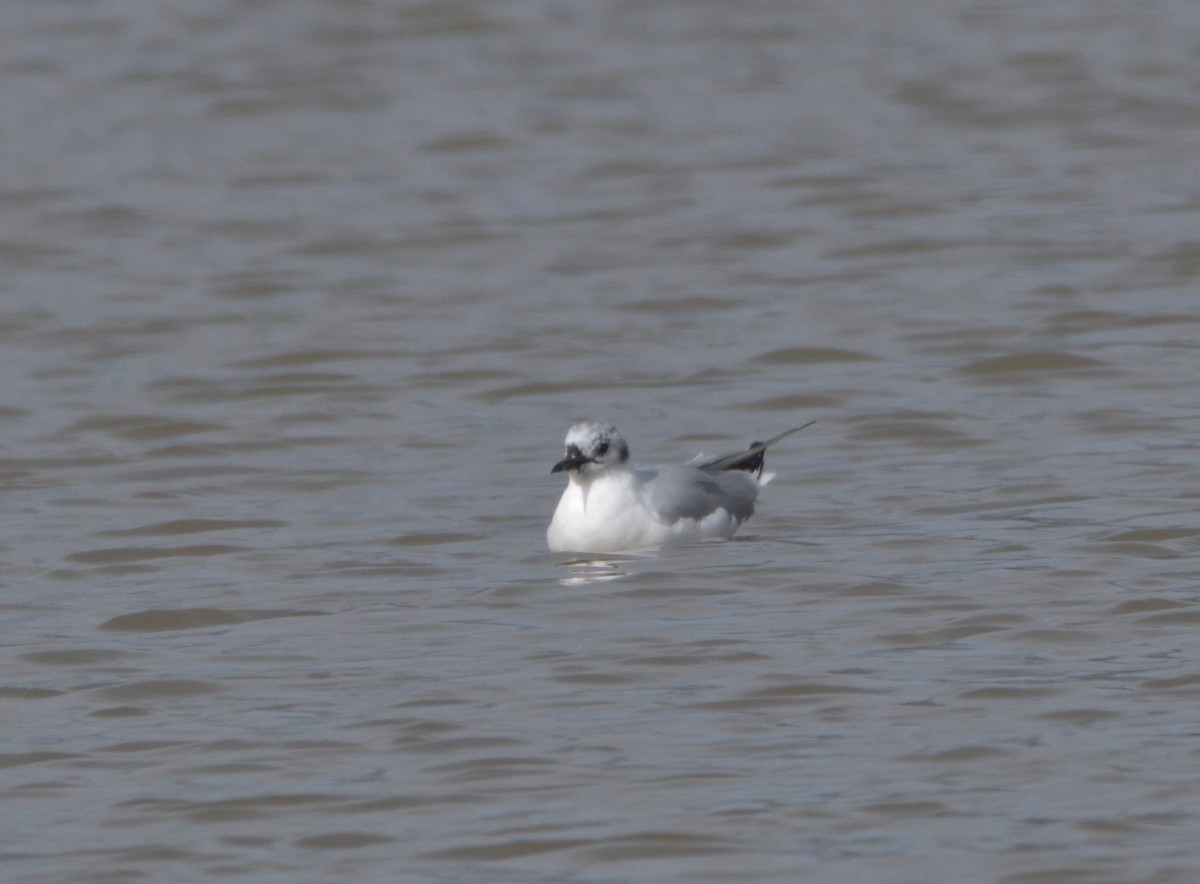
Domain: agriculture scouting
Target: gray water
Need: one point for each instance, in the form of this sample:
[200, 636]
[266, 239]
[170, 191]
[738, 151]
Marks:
[299, 298]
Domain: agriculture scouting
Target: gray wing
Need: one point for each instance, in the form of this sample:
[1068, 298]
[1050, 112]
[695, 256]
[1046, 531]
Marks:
[685, 492]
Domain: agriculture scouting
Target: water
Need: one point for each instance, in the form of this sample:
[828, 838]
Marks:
[299, 300]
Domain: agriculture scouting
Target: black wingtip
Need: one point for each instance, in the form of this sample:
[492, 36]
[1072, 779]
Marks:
[751, 462]
[753, 458]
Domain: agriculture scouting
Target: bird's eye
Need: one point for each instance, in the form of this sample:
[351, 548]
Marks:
[602, 449]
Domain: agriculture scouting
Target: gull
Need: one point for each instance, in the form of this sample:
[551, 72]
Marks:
[610, 505]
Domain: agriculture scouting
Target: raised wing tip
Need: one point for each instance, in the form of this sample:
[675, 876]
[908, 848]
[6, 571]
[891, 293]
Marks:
[785, 434]
[750, 460]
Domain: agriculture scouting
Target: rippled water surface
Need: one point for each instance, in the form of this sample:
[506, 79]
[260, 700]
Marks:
[299, 299]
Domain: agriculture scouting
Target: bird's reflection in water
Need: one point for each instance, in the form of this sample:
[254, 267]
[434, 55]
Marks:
[594, 570]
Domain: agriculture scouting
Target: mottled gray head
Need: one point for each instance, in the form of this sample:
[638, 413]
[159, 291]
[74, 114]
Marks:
[591, 448]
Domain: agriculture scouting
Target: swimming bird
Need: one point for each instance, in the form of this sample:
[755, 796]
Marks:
[610, 505]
